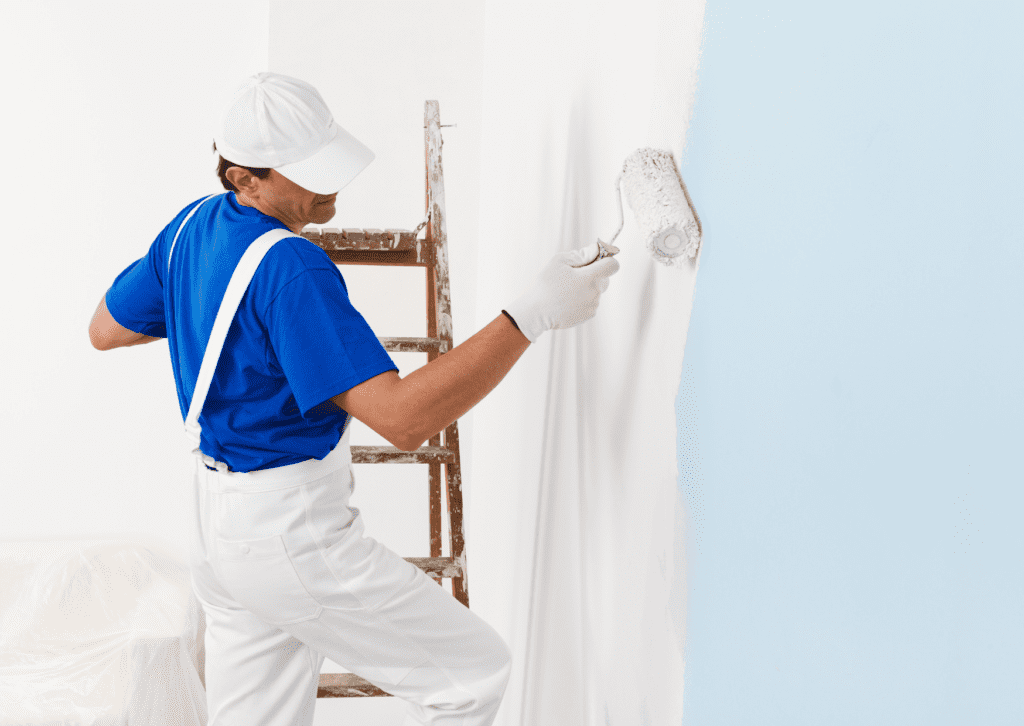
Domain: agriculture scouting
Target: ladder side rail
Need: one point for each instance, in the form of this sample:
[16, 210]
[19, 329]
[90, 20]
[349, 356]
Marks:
[434, 469]
[437, 232]
[401, 247]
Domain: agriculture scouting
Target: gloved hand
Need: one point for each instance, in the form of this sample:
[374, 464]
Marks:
[565, 294]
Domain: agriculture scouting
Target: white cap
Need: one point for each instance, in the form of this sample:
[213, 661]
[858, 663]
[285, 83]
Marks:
[282, 123]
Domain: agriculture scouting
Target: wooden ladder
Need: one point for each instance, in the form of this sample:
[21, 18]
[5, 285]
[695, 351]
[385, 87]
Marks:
[401, 247]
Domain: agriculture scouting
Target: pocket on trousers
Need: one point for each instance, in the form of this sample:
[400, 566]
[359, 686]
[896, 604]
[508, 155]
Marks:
[261, 577]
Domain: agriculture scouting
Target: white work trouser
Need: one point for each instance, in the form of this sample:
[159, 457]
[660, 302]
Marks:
[286, 578]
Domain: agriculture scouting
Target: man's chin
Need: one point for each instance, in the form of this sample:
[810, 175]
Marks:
[325, 215]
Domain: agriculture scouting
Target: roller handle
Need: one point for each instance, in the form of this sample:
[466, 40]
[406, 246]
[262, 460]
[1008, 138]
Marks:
[607, 249]
[604, 250]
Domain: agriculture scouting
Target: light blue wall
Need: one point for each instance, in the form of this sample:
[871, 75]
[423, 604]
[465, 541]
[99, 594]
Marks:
[851, 428]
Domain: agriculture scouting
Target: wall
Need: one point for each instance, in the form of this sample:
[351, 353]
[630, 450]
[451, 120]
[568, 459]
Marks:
[109, 133]
[111, 111]
[577, 552]
[850, 413]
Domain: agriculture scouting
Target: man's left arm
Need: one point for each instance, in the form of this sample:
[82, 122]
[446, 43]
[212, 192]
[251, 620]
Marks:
[105, 333]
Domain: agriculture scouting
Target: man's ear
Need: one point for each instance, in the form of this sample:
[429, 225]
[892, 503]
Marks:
[243, 180]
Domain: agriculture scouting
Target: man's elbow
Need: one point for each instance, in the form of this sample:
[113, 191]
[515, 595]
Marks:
[403, 436]
[99, 341]
[406, 441]
[401, 431]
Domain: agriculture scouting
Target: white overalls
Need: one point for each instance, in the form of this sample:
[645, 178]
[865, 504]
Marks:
[286, 578]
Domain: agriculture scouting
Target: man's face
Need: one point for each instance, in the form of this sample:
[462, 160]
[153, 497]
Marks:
[282, 198]
[311, 208]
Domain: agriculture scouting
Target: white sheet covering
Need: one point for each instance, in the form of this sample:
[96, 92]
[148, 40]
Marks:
[576, 526]
[98, 633]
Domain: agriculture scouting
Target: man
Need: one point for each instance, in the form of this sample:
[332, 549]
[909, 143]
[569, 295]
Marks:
[279, 561]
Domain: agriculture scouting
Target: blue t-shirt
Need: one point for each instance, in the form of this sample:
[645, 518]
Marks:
[295, 342]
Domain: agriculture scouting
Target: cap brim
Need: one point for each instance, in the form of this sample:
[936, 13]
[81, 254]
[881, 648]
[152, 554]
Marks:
[333, 167]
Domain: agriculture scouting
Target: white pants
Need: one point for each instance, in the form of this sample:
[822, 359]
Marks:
[286, 578]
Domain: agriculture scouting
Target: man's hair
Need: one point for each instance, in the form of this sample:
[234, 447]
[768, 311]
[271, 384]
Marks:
[222, 171]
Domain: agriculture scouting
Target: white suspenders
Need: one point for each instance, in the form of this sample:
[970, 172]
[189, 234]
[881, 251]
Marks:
[237, 286]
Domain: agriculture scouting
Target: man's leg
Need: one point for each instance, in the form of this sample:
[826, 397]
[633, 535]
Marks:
[295, 558]
[387, 621]
[256, 674]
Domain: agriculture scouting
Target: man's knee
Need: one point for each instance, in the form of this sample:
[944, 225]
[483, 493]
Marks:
[502, 664]
[493, 675]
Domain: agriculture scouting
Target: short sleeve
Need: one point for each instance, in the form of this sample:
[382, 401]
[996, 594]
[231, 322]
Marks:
[322, 343]
[136, 299]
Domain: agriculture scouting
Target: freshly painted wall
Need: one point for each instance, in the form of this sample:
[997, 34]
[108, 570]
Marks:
[850, 414]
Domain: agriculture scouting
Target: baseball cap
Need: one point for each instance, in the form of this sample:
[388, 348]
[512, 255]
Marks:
[278, 122]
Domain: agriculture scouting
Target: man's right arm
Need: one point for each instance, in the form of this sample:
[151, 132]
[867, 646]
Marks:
[408, 411]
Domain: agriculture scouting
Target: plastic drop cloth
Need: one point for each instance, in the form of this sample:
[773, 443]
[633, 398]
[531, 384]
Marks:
[98, 633]
[577, 529]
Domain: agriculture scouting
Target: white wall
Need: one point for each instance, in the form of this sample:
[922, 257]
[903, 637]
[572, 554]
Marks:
[577, 551]
[112, 138]
[109, 131]
[107, 134]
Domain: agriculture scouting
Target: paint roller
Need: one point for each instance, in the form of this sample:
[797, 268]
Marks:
[661, 204]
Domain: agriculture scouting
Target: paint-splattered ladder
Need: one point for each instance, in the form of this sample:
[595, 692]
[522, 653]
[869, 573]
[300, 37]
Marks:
[401, 247]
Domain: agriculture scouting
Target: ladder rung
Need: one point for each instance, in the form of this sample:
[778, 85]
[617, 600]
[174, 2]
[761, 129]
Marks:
[394, 455]
[443, 566]
[414, 345]
[381, 240]
[346, 685]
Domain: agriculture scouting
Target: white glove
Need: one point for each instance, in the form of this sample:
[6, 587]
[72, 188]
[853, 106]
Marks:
[565, 294]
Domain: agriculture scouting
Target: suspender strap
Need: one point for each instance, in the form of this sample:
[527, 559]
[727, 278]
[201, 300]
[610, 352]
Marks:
[182, 226]
[237, 286]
